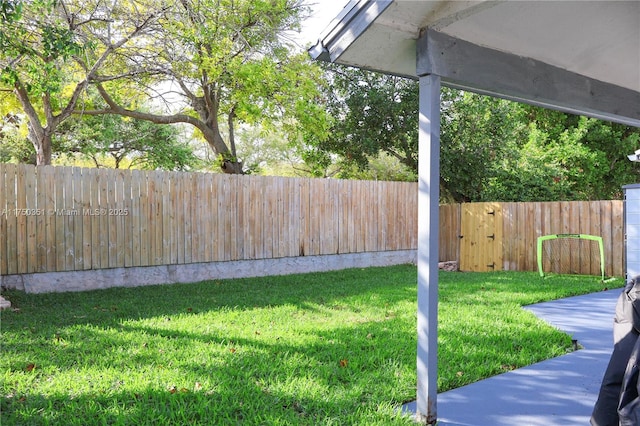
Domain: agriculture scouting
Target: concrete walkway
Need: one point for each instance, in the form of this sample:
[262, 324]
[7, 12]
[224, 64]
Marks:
[556, 392]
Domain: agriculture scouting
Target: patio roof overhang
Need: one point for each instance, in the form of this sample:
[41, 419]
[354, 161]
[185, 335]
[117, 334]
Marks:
[581, 57]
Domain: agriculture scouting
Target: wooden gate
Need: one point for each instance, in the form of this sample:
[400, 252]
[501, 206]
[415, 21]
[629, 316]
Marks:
[481, 237]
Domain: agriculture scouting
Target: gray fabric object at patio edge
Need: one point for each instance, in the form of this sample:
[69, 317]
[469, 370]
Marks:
[618, 403]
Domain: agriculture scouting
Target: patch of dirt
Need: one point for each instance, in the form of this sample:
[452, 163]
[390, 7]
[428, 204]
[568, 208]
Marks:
[451, 266]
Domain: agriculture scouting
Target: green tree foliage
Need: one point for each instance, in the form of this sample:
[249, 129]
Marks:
[491, 149]
[116, 141]
[37, 44]
[14, 146]
[477, 134]
[209, 62]
[373, 113]
[226, 64]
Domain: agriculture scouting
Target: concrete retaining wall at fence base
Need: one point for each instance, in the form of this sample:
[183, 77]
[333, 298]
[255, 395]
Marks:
[169, 274]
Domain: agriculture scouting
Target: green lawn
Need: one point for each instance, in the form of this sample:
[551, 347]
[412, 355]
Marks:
[319, 349]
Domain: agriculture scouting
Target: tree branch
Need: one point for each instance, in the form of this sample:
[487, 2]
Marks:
[32, 115]
[114, 108]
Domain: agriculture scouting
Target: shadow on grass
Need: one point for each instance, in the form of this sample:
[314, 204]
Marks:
[111, 306]
[133, 355]
[346, 371]
[127, 360]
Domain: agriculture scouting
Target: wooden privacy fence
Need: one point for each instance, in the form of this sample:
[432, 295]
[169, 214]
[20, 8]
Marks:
[503, 236]
[68, 218]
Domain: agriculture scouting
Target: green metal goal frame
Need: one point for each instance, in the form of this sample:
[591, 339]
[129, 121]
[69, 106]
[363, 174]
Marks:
[578, 236]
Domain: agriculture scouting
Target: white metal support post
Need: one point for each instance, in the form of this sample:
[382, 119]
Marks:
[428, 218]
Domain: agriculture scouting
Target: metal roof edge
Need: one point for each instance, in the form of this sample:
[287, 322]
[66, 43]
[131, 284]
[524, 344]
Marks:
[354, 20]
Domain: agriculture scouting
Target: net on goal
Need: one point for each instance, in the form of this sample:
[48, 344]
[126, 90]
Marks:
[575, 254]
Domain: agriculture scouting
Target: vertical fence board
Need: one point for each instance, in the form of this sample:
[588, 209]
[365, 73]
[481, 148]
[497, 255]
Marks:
[125, 212]
[413, 213]
[48, 205]
[291, 222]
[212, 217]
[557, 215]
[151, 218]
[529, 249]
[398, 218]
[515, 239]
[324, 234]
[595, 229]
[68, 215]
[94, 206]
[21, 218]
[507, 226]
[385, 222]
[371, 240]
[449, 232]
[167, 218]
[87, 217]
[539, 225]
[565, 228]
[250, 206]
[546, 229]
[605, 232]
[205, 246]
[348, 230]
[356, 233]
[196, 212]
[159, 199]
[118, 218]
[4, 211]
[244, 232]
[617, 236]
[223, 211]
[584, 259]
[209, 220]
[295, 219]
[361, 228]
[32, 219]
[143, 217]
[192, 217]
[111, 220]
[282, 217]
[573, 224]
[316, 196]
[303, 185]
[179, 198]
[229, 226]
[11, 227]
[268, 227]
[59, 180]
[41, 219]
[77, 228]
[329, 238]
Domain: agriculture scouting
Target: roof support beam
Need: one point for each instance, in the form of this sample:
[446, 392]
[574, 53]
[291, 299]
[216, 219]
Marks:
[428, 241]
[467, 66]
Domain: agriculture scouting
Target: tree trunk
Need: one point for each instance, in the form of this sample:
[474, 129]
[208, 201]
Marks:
[232, 167]
[230, 163]
[42, 144]
[43, 154]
